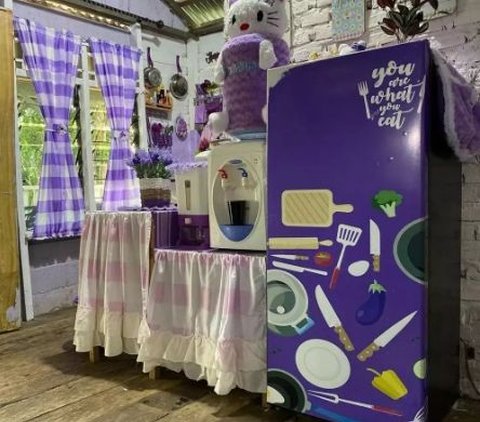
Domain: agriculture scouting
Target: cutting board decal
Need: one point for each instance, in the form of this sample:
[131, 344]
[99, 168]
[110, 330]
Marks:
[310, 208]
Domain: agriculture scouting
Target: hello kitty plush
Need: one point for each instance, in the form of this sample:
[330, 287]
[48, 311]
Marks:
[254, 29]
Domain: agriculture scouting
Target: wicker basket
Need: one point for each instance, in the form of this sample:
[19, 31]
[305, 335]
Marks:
[155, 192]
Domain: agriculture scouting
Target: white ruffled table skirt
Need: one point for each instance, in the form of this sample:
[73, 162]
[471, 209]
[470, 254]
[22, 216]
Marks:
[206, 316]
[113, 281]
[203, 313]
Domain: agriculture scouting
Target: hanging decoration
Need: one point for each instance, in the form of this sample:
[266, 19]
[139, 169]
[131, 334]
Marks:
[348, 19]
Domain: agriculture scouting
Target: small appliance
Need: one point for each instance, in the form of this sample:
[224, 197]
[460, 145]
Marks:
[237, 195]
[191, 186]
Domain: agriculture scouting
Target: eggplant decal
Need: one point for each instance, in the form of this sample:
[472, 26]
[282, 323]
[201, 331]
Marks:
[371, 311]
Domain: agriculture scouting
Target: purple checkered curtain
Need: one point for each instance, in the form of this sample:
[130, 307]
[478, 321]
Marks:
[116, 67]
[51, 57]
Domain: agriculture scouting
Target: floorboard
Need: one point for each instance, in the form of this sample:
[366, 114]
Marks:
[43, 379]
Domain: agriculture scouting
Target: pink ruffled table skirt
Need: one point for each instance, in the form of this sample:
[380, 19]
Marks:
[206, 316]
[203, 313]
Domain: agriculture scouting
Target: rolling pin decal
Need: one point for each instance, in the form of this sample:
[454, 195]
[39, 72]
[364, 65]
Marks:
[306, 243]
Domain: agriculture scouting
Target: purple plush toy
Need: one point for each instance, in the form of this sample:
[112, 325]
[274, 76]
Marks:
[255, 29]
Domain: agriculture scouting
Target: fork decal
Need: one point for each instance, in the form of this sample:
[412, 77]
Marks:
[363, 92]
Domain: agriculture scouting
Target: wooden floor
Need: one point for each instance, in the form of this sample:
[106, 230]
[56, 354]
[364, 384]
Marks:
[42, 378]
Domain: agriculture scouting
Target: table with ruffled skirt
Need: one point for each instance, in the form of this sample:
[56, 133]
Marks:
[113, 281]
[203, 313]
[206, 316]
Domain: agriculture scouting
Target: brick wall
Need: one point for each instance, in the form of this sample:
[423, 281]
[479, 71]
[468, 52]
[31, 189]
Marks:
[458, 36]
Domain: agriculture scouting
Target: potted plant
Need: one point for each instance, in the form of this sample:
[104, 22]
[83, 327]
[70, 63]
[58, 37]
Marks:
[404, 18]
[151, 168]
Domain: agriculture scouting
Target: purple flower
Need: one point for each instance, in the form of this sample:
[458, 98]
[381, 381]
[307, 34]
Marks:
[166, 157]
[155, 155]
[143, 157]
[151, 163]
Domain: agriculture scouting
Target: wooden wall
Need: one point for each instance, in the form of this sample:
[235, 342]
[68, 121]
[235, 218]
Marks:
[9, 252]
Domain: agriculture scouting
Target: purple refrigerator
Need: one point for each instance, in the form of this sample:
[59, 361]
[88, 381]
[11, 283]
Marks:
[356, 167]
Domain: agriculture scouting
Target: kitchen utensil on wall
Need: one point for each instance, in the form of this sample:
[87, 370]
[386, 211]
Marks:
[346, 236]
[297, 243]
[386, 337]
[322, 364]
[151, 75]
[310, 208]
[331, 318]
[288, 392]
[296, 268]
[178, 83]
[375, 245]
[291, 257]
[409, 250]
[181, 128]
[287, 304]
[334, 398]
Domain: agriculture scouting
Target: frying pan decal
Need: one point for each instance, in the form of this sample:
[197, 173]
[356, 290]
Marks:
[409, 250]
[286, 391]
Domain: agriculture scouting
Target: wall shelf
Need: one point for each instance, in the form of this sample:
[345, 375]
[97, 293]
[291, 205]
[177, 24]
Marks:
[154, 109]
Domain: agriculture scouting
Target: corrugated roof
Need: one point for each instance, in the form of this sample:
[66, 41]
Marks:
[203, 12]
[201, 16]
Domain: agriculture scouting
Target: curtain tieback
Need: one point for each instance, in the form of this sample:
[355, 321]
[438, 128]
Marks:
[120, 135]
[58, 128]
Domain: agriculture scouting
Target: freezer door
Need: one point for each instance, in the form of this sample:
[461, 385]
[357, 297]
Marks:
[346, 288]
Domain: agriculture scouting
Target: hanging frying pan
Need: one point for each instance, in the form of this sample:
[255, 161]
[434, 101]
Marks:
[178, 83]
[285, 390]
[151, 75]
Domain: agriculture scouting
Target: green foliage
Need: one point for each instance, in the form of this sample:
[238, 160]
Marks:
[403, 20]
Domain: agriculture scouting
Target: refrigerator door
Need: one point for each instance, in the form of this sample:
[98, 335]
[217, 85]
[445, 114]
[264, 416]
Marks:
[347, 164]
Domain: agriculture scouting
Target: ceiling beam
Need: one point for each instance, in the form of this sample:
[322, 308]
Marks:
[176, 9]
[209, 28]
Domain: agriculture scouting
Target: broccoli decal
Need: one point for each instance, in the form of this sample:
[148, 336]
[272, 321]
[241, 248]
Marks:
[387, 201]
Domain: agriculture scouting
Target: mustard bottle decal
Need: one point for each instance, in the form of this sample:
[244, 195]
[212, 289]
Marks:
[389, 384]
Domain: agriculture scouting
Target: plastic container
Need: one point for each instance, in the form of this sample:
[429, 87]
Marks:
[191, 186]
[236, 233]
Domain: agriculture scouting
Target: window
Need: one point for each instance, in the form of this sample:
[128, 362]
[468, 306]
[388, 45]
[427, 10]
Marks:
[31, 135]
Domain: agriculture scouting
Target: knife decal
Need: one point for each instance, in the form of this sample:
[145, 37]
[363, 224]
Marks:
[331, 318]
[292, 257]
[386, 337]
[297, 268]
[375, 245]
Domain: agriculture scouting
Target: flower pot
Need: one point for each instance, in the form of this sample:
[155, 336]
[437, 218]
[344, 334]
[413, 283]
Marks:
[155, 192]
